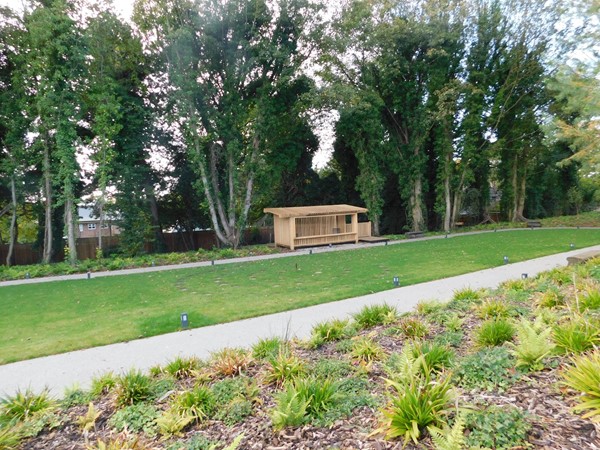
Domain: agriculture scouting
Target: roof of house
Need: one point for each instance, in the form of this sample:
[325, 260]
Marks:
[320, 210]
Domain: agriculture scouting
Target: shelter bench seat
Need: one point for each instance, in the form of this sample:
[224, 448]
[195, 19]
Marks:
[414, 234]
[583, 257]
[534, 224]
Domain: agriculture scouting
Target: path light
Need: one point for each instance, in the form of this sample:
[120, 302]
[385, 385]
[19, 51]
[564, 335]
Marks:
[27, 276]
[396, 281]
[184, 320]
[523, 275]
[152, 263]
[310, 252]
[386, 243]
[506, 260]
[212, 262]
[572, 245]
[446, 235]
[89, 274]
[330, 245]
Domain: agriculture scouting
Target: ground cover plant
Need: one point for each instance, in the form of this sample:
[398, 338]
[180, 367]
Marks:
[378, 388]
[37, 321]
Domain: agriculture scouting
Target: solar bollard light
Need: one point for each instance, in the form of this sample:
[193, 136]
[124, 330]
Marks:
[27, 276]
[572, 245]
[396, 281]
[212, 262]
[89, 274]
[506, 260]
[153, 264]
[523, 275]
[184, 320]
[310, 252]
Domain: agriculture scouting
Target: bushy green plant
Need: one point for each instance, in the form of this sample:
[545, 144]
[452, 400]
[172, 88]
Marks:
[435, 356]
[230, 361]
[495, 427]
[10, 437]
[365, 350]
[533, 344]
[449, 438]
[494, 332]
[453, 322]
[320, 393]
[463, 299]
[290, 409]
[132, 387]
[590, 300]
[413, 327]
[75, 396]
[87, 421]
[576, 336]
[284, 367]
[170, 423]
[234, 398]
[180, 367]
[416, 404]
[330, 331]
[404, 366]
[23, 405]
[429, 307]
[137, 417]
[198, 403]
[36, 423]
[550, 298]
[584, 376]
[370, 316]
[489, 369]
[103, 384]
[492, 309]
[268, 348]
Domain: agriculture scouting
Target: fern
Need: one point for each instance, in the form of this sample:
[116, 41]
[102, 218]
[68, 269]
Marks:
[88, 420]
[449, 438]
[534, 344]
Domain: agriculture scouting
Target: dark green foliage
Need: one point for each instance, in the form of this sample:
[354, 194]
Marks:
[133, 387]
[136, 418]
[370, 316]
[268, 348]
[182, 367]
[334, 330]
[496, 427]
[489, 369]
[494, 332]
[436, 356]
[23, 405]
[334, 368]
[233, 399]
[198, 403]
[76, 396]
[450, 338]
[576, 335]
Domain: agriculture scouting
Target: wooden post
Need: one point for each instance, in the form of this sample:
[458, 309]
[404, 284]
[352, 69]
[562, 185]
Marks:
[355, 227]
[292, 232]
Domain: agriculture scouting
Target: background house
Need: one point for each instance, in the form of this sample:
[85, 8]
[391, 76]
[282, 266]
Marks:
[89, 223]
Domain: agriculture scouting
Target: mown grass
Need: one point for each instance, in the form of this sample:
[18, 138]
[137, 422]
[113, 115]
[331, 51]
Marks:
[49, 318]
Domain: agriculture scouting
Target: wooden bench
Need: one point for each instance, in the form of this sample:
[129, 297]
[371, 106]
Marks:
[583, 257]
[534, 224]
[414, 234]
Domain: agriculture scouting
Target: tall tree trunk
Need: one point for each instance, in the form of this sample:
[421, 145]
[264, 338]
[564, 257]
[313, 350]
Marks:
[448, 221]
[518, 195]
[70, 224]
[156, 225]
[416, 207]
[101, 219]
[47, 252]
[13, 223]
[375, 225]
[521, 198]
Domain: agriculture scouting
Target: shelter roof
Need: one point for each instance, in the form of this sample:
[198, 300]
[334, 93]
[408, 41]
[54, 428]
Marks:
[319, 210]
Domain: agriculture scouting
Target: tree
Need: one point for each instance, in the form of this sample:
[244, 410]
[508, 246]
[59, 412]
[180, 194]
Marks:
[225, 63]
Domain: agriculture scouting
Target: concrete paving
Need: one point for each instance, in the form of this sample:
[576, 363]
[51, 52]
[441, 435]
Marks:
[58, 372]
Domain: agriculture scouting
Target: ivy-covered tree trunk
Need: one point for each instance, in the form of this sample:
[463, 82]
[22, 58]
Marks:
[48, 234]
[13, 222]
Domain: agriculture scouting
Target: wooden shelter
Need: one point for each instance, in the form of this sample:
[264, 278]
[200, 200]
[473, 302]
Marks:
[305, 226]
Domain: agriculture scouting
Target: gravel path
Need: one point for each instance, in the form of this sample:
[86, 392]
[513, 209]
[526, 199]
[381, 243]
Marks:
[64, 370]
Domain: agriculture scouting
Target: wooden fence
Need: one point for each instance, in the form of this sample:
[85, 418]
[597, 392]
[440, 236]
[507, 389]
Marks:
[174, 242]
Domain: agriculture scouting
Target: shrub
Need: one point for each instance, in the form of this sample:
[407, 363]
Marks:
[533, 344]
[366, 350]
[230, 361]
[330, 331]
[286, 366]
[133, 387]
[413, 327]
[75, 396]
[416, 405]
[23, 405]
[494, 332]
[268, 348]
[488, 369]
[492, 309]
[435, 356]
[137, 417]
[199, 403]
[576, 336]
[496, 427]
[590, 300]
[103, 384]
[370, 316]
[9, 438]
[584, 376]
[181, 368]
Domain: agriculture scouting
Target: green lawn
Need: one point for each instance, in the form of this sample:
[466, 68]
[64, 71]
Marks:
[48, 318]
